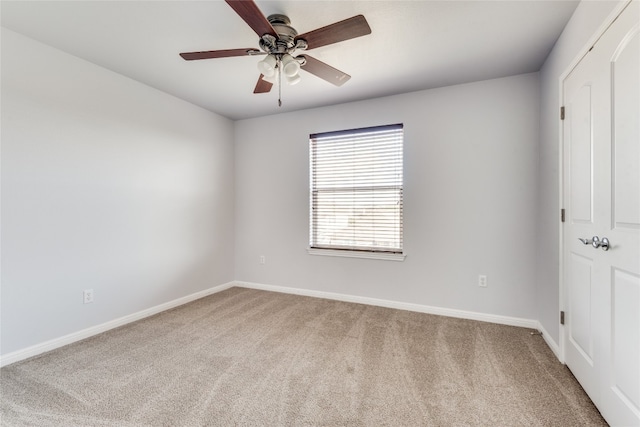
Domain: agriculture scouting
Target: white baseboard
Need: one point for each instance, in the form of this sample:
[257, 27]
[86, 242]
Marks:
[461, 314]
[37, 349]
[550, 342]
[98, 329]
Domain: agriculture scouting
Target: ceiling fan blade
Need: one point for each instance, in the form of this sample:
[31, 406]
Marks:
[250, 51]
[262, 86]
[344, 30]
[325, 71]
[249, 12]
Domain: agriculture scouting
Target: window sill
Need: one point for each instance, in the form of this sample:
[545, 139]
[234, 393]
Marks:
[356, 254]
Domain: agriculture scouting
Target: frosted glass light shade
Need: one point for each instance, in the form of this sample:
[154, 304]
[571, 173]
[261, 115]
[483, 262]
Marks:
[290, 66]
[271, 79]
[292, 80]
[268, 66]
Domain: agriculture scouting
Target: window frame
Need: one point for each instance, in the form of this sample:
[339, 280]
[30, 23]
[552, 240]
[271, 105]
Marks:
[396, 253]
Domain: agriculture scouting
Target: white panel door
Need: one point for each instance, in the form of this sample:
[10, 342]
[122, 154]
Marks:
[601, 174]
[579, 259]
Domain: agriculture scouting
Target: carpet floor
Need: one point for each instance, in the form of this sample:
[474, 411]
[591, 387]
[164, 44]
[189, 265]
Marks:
[245, 357]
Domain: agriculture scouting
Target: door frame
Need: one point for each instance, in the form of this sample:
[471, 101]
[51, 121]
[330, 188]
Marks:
[617, 10]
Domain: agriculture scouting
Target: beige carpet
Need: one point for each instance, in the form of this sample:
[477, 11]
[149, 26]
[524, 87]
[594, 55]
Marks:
[253, 358]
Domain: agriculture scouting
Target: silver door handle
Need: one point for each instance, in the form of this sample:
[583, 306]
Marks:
[597, 243]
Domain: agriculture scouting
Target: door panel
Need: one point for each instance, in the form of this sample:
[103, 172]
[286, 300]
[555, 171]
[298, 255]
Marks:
[581, 155]
[601, 143]
[625, 326]
[621, 353]
[580, 283]
[580, 331]
[626, 124]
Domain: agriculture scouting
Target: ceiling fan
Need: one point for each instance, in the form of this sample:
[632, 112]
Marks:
[281, 44]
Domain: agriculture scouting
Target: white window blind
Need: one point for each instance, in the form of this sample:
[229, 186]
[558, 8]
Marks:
[356, 189]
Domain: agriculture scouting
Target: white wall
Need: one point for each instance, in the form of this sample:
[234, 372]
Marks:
[575, 39]
[470, 192]
[111, 185]
[106, 184]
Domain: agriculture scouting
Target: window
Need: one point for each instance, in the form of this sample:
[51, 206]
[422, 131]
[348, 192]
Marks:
[356, 190]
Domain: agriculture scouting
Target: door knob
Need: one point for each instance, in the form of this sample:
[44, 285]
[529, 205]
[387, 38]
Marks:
[596, 242]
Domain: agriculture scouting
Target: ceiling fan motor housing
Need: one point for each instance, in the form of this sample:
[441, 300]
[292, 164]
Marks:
[285, 42]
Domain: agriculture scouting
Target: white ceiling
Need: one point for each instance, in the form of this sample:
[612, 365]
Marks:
[414, 45]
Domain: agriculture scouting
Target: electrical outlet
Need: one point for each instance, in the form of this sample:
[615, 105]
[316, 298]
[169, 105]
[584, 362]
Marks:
[262, 259]
[87, 296]
[482, 281]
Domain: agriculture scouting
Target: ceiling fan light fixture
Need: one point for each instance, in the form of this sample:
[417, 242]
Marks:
[268, 65]
[292, 80]
[290, 66]
[279, 41]
[271, 79]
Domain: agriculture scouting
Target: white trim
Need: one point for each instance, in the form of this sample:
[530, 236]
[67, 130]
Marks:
[37, 349]
[357, 254]
[449, 312]
[550, 342]
[44, 347]
[617, 10]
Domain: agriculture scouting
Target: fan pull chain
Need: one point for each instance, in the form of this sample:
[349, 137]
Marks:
[279, 83]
